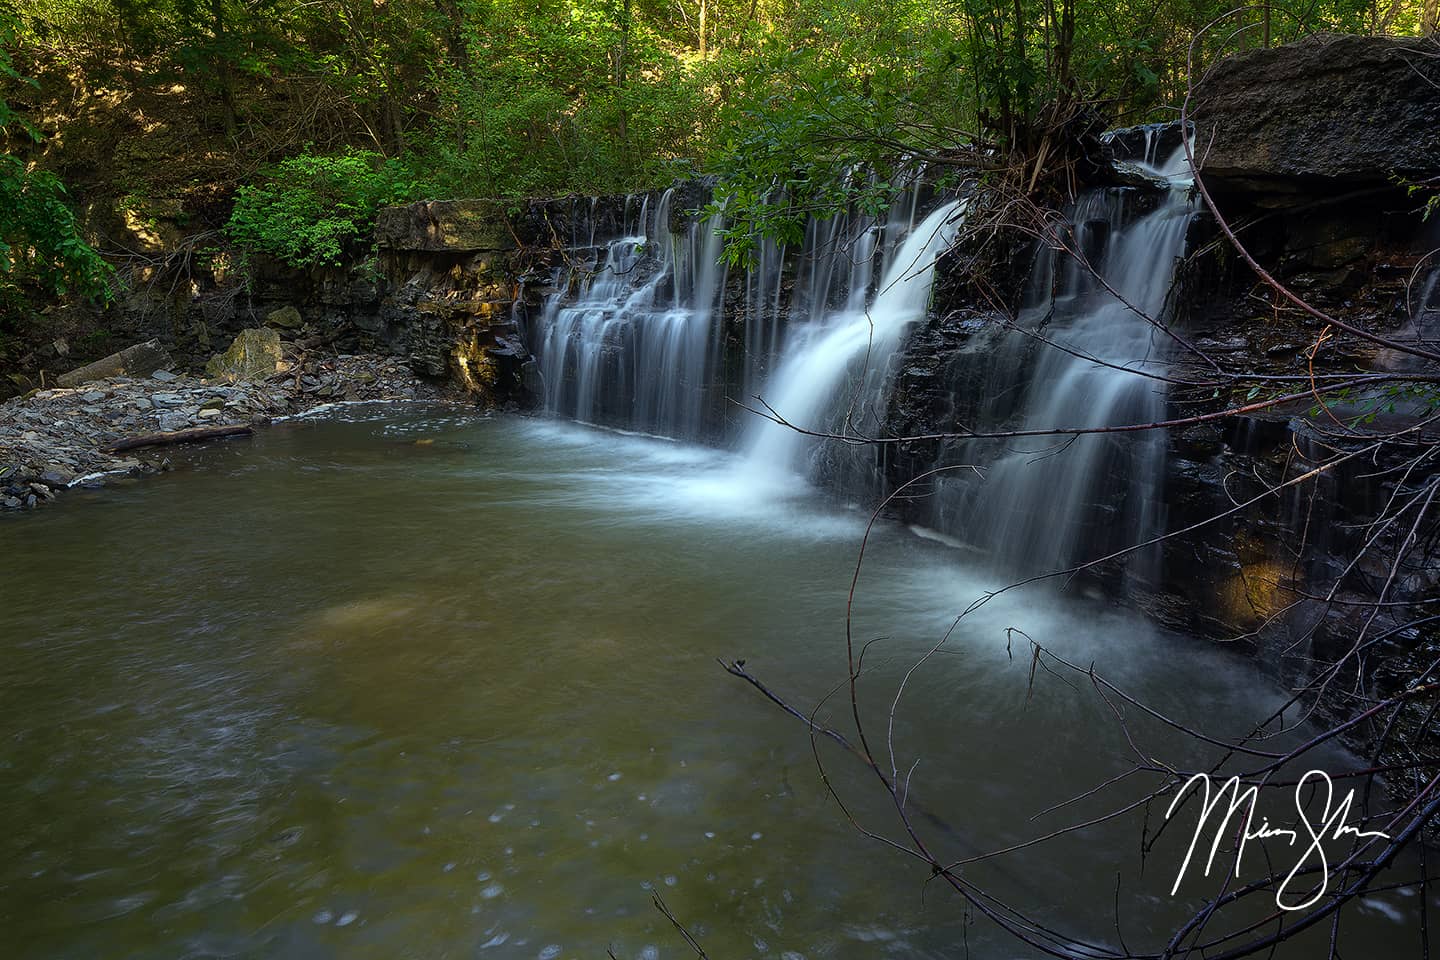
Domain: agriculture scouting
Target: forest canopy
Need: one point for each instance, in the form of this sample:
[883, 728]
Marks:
[516, 98]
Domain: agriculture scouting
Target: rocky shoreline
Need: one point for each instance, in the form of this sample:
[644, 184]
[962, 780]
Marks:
[55, 439]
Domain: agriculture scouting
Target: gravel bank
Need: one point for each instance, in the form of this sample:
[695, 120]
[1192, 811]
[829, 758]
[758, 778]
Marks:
[51, 440]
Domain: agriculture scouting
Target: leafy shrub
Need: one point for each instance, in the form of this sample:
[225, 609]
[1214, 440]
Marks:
[40, 241]
[311, 211]
[41, 247]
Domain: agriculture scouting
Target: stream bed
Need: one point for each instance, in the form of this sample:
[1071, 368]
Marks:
[413, 682]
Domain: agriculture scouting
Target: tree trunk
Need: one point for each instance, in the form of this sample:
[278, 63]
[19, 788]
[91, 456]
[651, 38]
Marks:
[1067, 42]
[454, 39]
[223, 75]
[191, 435]
[621, 68]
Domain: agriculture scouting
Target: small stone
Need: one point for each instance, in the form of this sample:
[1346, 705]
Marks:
[207, 412]
[57, 476]
[11, 503]
[214, 403]
[164, 376]
[142, 403]
[42, 491]
[92, 410]
[170, 422]
[168, 399]
[92, 396]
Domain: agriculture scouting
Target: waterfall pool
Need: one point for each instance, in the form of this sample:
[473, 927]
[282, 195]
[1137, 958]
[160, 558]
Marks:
[411, 682]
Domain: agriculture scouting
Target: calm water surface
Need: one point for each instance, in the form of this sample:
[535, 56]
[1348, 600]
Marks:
[333, 693]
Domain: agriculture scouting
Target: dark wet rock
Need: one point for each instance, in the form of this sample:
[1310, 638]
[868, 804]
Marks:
[1150, 143]
[1129, 175]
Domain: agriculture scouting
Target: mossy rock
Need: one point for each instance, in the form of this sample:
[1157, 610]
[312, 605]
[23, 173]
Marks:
[252, 356]
[286, 318]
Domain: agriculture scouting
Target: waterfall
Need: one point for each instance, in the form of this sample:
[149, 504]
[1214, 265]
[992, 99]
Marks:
[836, 366]
[629, 341]
[633, 334]
[1050, 502]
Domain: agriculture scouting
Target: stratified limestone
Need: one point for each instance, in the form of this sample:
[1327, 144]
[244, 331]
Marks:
[446, 225]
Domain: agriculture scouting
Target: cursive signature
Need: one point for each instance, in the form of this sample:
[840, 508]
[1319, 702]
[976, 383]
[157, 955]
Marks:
[1331, 825]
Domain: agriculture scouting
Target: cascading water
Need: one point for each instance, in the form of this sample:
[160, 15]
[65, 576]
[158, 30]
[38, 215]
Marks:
[638, 341]
[634, 345]
[1050, 502]
[836, 366]
[634, 337]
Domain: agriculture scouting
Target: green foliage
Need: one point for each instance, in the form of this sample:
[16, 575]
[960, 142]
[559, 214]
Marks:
[851, 87]
[783, 99]
[1358, 406]
[41, 247]
[312, 210]
[1426, 190]
[556, 97]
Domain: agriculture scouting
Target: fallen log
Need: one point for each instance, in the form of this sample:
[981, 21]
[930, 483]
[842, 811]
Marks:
[141, 360]
[191, 435]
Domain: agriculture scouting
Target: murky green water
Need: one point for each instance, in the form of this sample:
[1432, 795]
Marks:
[333, 693]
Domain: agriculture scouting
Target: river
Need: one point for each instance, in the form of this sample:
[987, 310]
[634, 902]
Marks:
[413, 682]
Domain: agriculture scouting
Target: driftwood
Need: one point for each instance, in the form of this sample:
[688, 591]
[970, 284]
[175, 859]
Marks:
[191, 435]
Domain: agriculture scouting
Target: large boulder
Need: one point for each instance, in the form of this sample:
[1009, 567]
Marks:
[1324, 112]
[254, 355]
[286, 318]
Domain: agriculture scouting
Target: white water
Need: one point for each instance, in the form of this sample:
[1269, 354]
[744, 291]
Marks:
[635, 345]
[634, 335]
[1049, 502]
[640, 344]
[834, 374]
